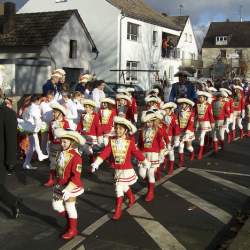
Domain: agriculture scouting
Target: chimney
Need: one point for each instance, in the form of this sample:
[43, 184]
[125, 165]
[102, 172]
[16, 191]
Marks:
[9, 19]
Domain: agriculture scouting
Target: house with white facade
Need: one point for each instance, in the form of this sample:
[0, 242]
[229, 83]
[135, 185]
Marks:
[34, 44]
[128, 35]
[187, 47]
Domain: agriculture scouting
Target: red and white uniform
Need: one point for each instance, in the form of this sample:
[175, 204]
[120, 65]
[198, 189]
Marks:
[68, 181]
[150, 142]
[53, 126]
[171, 126]
[238, 110]
[186, 124]
[54, 143]
[90, 127]
[107, 119]
[120, 151]
[68, 169]
[221, 111]
[204, 115]
[247, 107]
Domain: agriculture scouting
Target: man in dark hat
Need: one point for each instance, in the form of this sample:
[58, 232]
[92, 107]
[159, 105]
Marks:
[183, 88]
[8, 149]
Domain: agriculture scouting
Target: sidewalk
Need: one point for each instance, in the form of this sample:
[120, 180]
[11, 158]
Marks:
[242, 240]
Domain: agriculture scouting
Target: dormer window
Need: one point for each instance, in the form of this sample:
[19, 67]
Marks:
[221, 40]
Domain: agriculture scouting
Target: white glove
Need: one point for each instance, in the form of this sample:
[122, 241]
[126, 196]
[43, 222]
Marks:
[94, 167]
[66, 194]
[176, 141]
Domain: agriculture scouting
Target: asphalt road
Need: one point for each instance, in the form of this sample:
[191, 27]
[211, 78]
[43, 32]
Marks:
[192, 210]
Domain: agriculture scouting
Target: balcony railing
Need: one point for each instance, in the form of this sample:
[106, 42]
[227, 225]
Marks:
[170, 53]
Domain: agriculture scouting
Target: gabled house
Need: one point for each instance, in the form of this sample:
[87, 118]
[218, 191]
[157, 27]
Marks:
[226, 49]
[129, 36]
[33, 44]
[187, 46]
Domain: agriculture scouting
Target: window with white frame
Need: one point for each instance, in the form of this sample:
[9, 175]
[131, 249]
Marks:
[132, 31]
[221, 40]
[155, 38]
[133, 74]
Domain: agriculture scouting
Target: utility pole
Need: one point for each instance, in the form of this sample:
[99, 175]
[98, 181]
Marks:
[241, 19]
[181, 7]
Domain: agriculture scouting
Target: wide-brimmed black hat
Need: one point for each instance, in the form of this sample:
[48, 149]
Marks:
[182, 73]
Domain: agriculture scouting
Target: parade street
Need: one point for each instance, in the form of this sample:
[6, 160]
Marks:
[193, 209]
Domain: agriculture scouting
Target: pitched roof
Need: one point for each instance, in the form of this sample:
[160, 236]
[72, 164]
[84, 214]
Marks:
[38, 29]
[238, 33]
[139, 10]
[180, 20]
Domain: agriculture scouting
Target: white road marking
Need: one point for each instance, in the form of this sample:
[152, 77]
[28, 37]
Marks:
[211, 209]
[221, 181]
[105, 218]
[162, 237]
[221, 172]
[81, 248]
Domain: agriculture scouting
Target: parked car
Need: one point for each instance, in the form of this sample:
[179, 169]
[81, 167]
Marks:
[139, 93]
[109, 92]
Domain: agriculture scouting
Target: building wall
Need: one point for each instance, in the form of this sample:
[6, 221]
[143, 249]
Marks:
[209, 56]
[30, 79]
[146, 53]
[101, 20]
[60, 47]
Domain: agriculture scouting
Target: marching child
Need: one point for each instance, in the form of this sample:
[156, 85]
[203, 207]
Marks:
[205, 119]
[58, 121]
[90, 124]
[172, 131]
[68, 179]
[239, 110]
[32, 124]
[229, 100]
[221, 111]
[185, 118]
[123, 106]
[248, 114]
[150, 142]
[107, 113]
[121, 148]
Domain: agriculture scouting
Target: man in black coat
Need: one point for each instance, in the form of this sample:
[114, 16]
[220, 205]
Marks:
[8, 151]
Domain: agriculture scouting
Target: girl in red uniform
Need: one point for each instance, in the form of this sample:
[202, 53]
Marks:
[151, 144]
[205, 118]
[121, 148]
[221, 111]
[171, 130]
[58, 121]
[68, 179]
[107, 113]
[186, 122]
[239, 110]
[229, 100]
[248, 113]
